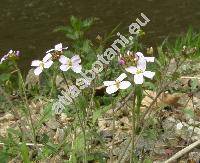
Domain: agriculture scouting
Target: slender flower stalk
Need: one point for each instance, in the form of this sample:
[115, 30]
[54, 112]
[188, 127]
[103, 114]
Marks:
[22, 84]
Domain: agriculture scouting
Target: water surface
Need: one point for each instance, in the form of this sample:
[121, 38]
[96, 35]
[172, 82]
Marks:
[27, 25]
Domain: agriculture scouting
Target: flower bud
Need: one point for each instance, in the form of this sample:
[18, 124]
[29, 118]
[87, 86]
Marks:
[150, 51]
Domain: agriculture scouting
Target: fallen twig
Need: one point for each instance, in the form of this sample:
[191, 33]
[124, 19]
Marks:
[182, 152]
[190, 77]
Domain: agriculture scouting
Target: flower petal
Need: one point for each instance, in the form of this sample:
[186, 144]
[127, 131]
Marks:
[64, 67]
[63, 59]
[121, 77]
[58, 47]
[111, 89]
[141, 64]
[139, 54]
[10, 51]
[38, 70]
[124, 84]
[131, 69]
[108, 83]
[149, 74]
[36, 63]
[77, 68]
[48, 64]
[50, 50]
[138, 78]
[76, 59]
[47, 57]
[3, 59]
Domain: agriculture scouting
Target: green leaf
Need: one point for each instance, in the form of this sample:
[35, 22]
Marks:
[96, 115]
[4, 156]
[24, 153]
[188, 112]
[148, 161]
[46, 115]
[150, 85]
[4, 77]
[194, 84]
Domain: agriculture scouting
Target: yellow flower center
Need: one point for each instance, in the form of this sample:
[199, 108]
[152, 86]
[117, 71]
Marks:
[139, 71]
[41, 65]
[117, 83]
[70, 63]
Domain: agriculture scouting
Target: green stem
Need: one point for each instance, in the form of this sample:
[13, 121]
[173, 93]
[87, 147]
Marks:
[82, 124]
[133, 129]
[21, 83]
[53, 90]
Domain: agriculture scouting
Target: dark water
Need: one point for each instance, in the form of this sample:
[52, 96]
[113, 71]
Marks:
[27, 25]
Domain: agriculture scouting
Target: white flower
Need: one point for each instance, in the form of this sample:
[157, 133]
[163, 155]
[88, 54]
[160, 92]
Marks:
[45, 63]
[140, 56]
[3, 59]
[73, 63]
[179, 126]
[141, 59]
[114, 86]
[139, 73]
[58, 48]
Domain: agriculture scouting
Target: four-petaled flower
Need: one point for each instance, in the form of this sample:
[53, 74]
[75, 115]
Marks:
[114, 86]
[139, 73]
[58, 48]
[73, 63]
[45, 63]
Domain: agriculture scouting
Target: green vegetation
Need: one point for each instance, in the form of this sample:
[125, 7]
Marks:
[95, 125]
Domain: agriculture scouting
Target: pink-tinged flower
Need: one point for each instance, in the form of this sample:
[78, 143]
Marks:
[142, 60]
[57, 48]
[3, 59]
[114, 86]
[41, 65]
[73, 63]
[121, 60]
[139, 72]
[11, 54]
[140, 56]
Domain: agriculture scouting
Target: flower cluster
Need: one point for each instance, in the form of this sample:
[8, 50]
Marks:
[10, 55]
[57, 54]
[139, 62]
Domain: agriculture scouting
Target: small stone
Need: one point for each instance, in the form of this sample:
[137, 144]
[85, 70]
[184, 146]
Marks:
[7, 117]
[179, 126]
